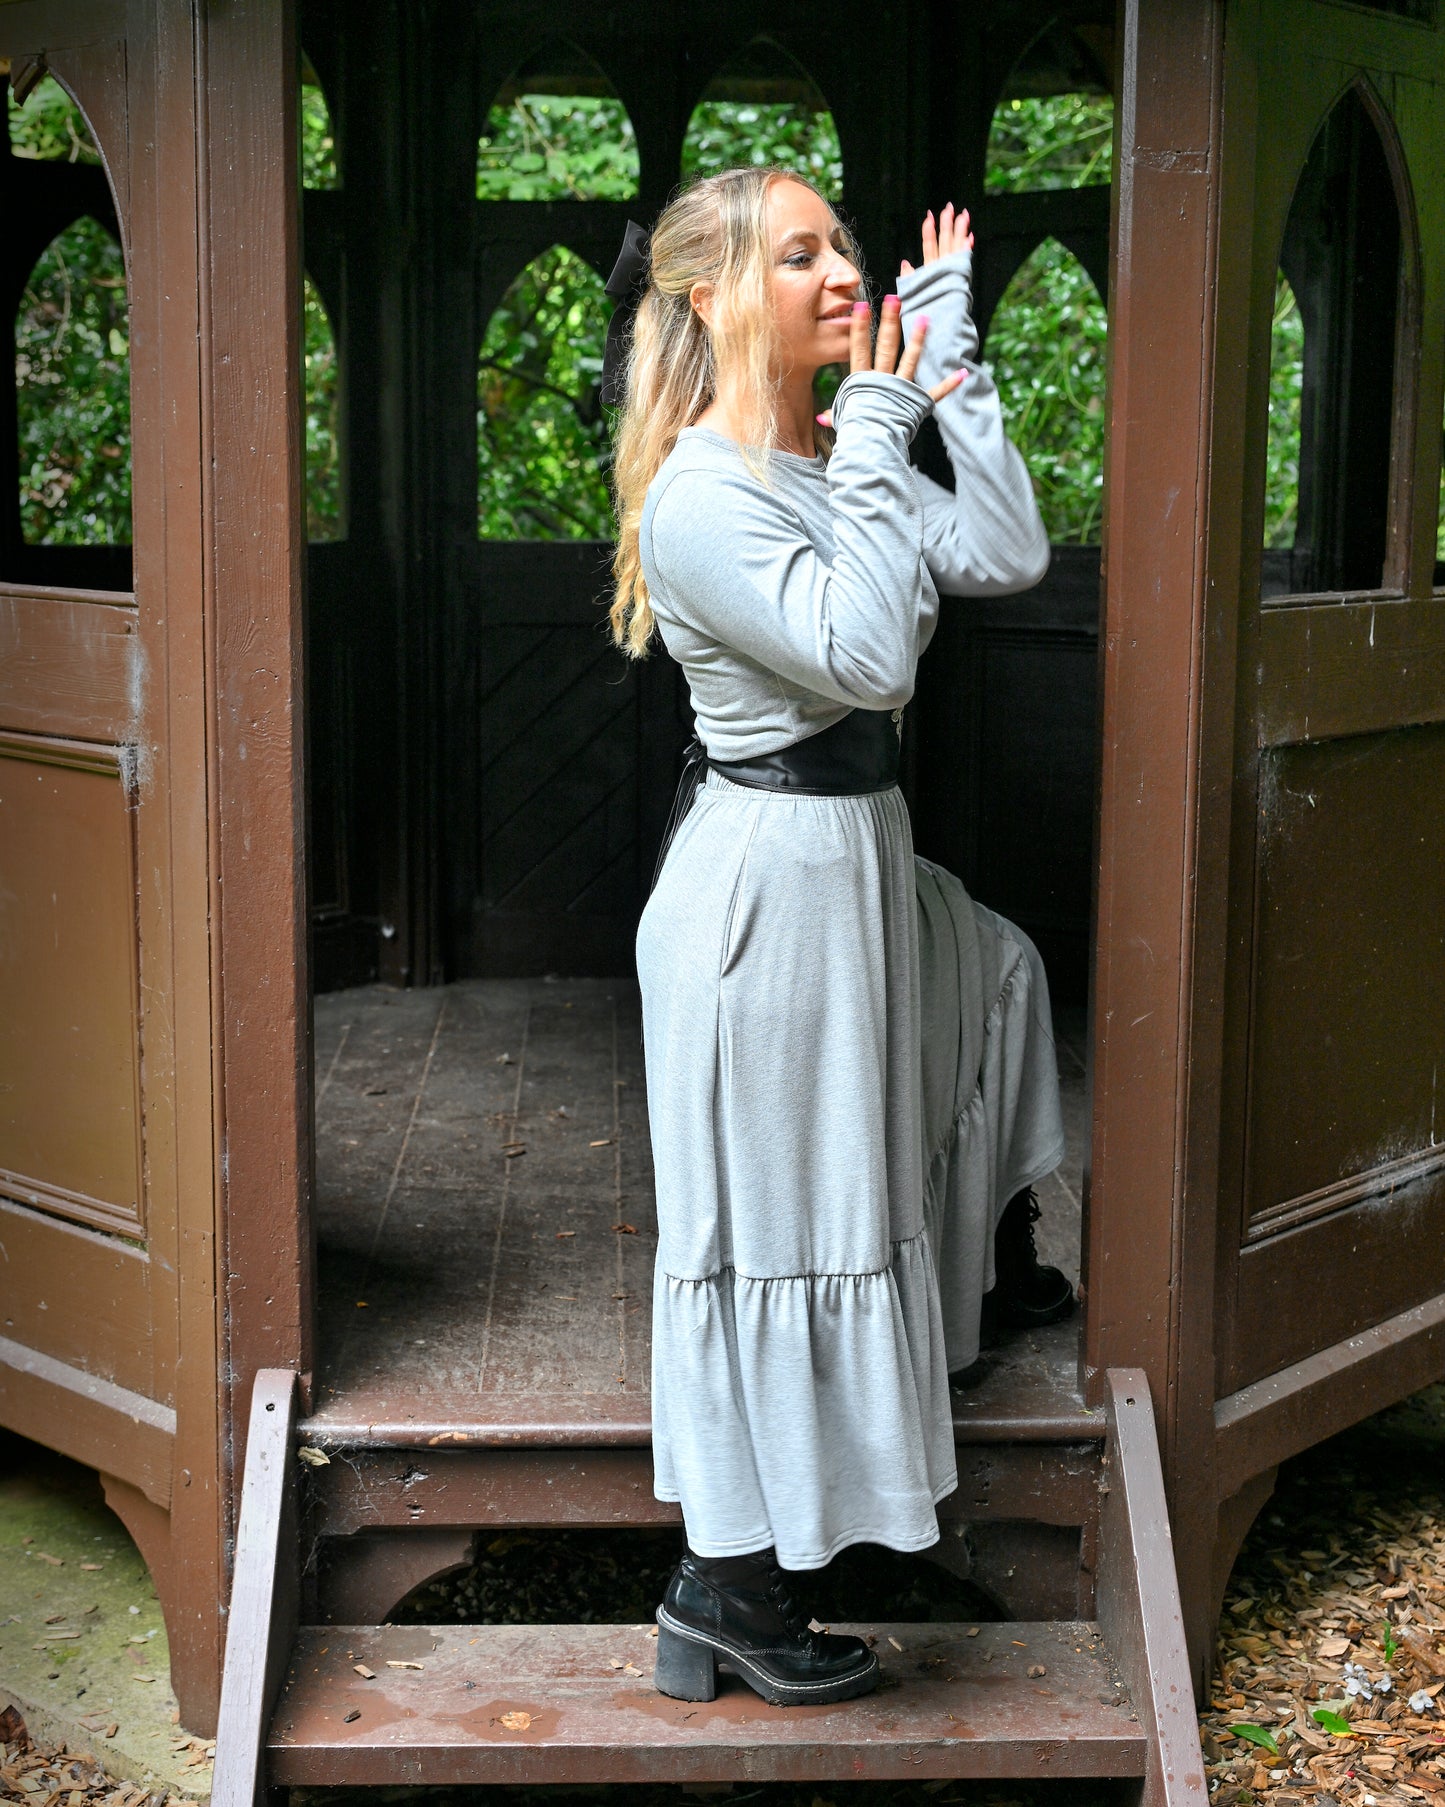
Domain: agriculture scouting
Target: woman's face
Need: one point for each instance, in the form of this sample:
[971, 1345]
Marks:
[814, 284]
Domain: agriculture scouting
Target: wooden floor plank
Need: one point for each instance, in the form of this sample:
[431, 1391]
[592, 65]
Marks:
[487, 1225]
[575, 1703]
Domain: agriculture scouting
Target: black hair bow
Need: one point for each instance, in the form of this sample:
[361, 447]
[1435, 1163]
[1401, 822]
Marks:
[626, 286]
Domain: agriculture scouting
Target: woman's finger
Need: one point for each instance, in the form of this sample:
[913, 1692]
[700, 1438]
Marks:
[963, 231]
[905, 268]
[825, 419]
[948, 385]
[860, 339]
[914, 349]
[890, 335]
[930, 238]
[945, 231]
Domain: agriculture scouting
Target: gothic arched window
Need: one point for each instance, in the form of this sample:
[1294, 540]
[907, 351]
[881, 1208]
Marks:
[541, 434]
[1341, 257]
[50, 127]
[762, 108]
[320, 166]
[321, 399]
[72, 393]
[557, 132]
[1286, 378]
[1046, 345]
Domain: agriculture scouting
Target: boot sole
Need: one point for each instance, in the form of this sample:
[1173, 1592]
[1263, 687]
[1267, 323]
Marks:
[776, 1693]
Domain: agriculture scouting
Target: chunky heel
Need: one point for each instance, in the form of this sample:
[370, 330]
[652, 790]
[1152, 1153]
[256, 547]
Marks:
[685, 1671]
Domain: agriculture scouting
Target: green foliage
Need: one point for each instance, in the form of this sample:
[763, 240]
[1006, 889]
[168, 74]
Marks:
[318, 141]
[50, 126]
[724, 134]
[557, 147]
[1046, 347]
[72, 356]
[1256, 1734]
[1286, 383]
[1334, 1723]
[322, 403]
[1055, 141]
[541, 435]
[72, 392]
[1440, 530]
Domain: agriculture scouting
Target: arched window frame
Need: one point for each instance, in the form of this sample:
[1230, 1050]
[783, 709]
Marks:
[334, 325]
[516, 72]
[986, 325]
[1395, 577]
[791, 66]
[491, 305]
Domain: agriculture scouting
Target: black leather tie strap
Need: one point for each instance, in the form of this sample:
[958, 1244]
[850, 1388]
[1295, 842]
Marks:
[625, 287]
[856, 757]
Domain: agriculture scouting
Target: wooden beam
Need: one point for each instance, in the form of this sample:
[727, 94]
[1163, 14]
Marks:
[1138, 1597]
[1277, 1417]
[262, 1620]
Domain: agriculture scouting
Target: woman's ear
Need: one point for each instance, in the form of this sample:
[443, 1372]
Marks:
[701, 297]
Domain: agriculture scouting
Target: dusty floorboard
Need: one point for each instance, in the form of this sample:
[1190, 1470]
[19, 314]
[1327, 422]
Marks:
[485, 1216]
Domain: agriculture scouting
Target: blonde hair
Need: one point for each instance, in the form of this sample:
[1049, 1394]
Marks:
[714, 232]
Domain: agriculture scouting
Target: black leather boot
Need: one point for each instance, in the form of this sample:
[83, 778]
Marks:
[737, 1610]
[1026, 1295]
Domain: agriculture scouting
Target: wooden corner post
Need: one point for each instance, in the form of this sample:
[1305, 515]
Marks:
[1149, 1262]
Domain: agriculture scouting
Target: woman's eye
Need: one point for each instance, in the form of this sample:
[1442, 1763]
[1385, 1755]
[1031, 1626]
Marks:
[799, 260]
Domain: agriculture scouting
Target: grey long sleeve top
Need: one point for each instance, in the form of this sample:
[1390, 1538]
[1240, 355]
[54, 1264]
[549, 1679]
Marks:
[789, 602]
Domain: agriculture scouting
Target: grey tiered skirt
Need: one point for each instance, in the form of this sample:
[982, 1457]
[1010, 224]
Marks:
[850, 1070]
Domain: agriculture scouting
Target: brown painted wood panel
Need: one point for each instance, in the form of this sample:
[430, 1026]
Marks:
[69, 1060]
[106, 1426]
[69, 660]
[1348, 1004]
[82, 1297]
[1349, 668]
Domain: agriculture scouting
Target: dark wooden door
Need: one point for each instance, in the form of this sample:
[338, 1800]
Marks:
[153, 1060]
[1333, 1151]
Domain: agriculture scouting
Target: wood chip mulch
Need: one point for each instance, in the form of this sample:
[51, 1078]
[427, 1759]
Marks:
[46, 1775]
[1337, 1607]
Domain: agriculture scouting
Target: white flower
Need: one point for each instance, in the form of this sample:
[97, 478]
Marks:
[1420, 1702]
[1384, 1684]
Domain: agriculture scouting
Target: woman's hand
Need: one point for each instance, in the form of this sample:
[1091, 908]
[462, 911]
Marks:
[950, 233]
[884, 356]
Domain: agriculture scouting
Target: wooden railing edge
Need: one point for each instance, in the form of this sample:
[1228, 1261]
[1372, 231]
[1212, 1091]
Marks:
[261, 1623]
[1138, 1597]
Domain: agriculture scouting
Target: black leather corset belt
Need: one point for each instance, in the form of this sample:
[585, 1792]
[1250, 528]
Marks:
[856, 756]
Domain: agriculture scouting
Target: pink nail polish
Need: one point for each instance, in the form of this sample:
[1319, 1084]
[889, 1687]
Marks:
[890, 301]
[922, 325]
[963, 375]
[822, 419]
[860, 307]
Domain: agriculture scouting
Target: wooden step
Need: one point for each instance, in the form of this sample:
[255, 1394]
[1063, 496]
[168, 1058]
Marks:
[575, 1703]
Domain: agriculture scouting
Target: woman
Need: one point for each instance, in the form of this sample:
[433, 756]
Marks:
[848, 1065]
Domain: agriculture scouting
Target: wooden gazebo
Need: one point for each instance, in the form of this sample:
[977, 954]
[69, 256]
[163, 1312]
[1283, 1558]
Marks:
[203, 739]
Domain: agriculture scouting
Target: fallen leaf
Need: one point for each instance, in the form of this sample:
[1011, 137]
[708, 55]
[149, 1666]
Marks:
[516, 1722]
[392, 1663]
[625, 1229]
[92, 1567]
[972, 1631]
[896, 1645]
[142, 1678]
[365, 1673]
[314, 1458]
[1334, 1646]
[56, 1562]
[606, 1142]
[351, 1717]
[1036, 1670]
[113, 1729]
[652, 1631]
[630, 1669]
[562, 1235]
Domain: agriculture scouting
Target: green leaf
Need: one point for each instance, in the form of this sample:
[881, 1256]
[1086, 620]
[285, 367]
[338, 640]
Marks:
[1256, 1734]
[1334, 1723]
[1392, 1643]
